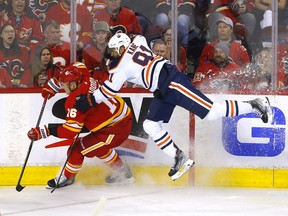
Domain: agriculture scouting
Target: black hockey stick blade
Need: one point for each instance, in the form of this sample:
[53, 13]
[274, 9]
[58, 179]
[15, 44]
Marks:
[19, 187]
[53, 189]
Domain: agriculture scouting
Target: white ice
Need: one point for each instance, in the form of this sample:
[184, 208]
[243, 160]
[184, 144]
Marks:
[140, 200]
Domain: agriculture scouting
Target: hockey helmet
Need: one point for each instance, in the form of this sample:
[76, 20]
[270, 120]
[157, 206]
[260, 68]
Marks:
[119, 40]
[72, 73]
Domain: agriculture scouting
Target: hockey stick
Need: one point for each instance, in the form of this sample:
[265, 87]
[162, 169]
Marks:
[72, 147]
[19, 187]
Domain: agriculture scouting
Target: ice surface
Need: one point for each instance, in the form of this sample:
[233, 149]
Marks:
[140, 200]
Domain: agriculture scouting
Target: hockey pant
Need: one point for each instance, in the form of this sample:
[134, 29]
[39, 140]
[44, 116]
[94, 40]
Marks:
[99, 144]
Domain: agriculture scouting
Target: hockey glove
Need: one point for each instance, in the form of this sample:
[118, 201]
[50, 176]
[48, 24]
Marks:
[38, 133]
[51, 88]
[84, 102]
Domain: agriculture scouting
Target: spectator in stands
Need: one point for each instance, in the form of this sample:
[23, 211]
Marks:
[3, 12]
[185, 17]
[259, 74]
[94, 5]
[237, 52]
[144, 11]
[263, 6]
[181, 55]
[93, 54]
[159, 47]
[39, 8]
[14, 59]
[52, 39]
[61, 14]
[3, 6]
[28, 29]
[43, 68]
[263, 13]
[283, 59]
[239, 11]
[120, 19]
[218, 73]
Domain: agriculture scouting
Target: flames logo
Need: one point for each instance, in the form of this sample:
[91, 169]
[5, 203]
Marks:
[24, 34]
[13, 67]
[39, 7]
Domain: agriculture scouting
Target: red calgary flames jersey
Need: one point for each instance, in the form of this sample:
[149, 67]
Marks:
[101, 117]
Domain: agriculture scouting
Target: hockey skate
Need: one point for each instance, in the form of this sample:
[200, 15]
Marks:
[63, 182]
[261, 106]
[120, 176]
[181, 165]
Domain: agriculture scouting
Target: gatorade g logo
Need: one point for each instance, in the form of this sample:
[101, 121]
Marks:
[246, 135]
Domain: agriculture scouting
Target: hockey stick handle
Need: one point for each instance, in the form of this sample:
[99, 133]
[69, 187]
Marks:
[71, 150]
[19, 187]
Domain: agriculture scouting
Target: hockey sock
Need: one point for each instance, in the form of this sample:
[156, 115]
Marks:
[112, 159]
[165, 143]
[228, 108]
[71, 170]
[74, 162]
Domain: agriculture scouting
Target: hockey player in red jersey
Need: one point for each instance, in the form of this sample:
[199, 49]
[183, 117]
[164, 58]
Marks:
[134, 61]
[109, 124]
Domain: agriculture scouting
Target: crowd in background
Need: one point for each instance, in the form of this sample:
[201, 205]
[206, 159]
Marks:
[221, 44]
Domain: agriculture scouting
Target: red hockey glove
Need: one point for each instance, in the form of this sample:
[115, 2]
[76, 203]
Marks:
[38, 133]
[51, 88]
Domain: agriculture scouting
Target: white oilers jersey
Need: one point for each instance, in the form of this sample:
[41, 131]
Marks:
[138, 65]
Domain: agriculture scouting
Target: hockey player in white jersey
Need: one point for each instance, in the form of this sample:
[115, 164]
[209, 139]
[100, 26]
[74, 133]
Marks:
[134, 61]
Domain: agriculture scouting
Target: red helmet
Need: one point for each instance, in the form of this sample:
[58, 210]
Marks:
[72, 73]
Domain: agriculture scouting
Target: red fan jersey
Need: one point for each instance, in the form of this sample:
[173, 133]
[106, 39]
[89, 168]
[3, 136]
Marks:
[92, 57]
[28, 30]
[61, 54]
[209, 76]
[17, 66]
[94, 5]
[62, 16]
[125, 21]
[230, 8]
[238, 53]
